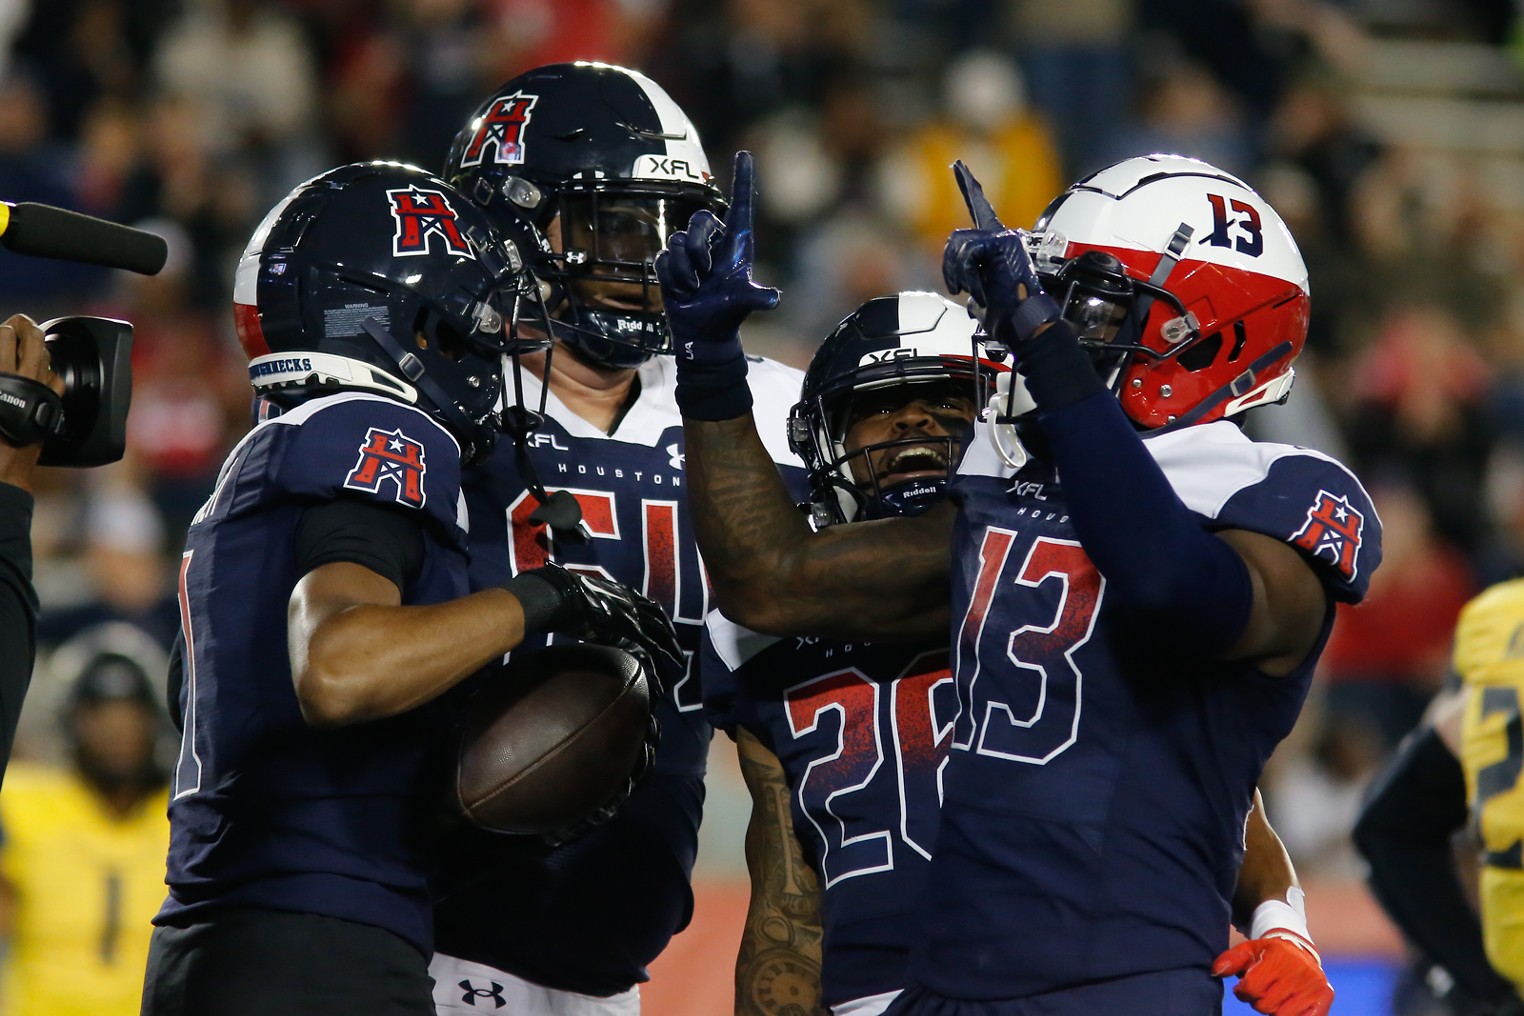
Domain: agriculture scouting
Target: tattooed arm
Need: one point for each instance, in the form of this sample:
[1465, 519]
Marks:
[880, 579]
[883, 579]
[778, 967]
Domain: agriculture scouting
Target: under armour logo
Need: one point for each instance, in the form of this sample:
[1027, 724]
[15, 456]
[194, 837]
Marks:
[472, 993]
[676, 451]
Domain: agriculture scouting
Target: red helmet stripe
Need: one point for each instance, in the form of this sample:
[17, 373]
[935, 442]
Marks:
[250, 335]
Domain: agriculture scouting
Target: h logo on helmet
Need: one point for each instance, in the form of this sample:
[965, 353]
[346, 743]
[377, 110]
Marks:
[421, 216]
[1332, 531]
[502, 128]
[390, 456]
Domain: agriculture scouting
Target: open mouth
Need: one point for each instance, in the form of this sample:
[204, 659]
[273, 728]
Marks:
[912, 462]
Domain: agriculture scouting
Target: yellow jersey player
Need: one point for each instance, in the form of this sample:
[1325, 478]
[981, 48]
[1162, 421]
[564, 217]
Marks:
[82, 854]
[1462, 766]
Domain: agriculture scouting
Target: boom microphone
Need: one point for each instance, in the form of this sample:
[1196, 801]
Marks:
[45, 231]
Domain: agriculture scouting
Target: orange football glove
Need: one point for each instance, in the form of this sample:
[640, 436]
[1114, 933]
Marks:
[1279, 975]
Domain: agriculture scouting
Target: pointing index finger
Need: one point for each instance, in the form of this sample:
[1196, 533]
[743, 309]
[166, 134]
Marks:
[738, 220]
[979, 207]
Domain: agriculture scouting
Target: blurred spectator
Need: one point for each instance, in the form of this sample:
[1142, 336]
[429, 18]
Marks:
[128, 579]
[1314, 795]
[191, 392]
[1388, 656]
[1184, 110]
[250, 63]
[1314, 129]
[1079, 61]
[1418, 408]
[853, 258]
[82, 854]
[251, 71]
[985, 121]
[34, 167]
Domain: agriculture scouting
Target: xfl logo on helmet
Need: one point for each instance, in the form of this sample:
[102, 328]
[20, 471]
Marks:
[501, 129]
[422, 215]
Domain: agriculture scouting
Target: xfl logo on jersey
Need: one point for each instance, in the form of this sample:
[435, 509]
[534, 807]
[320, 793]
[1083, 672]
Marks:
[502, 130]
[421, 216]
[389, 457]
[1332, 532]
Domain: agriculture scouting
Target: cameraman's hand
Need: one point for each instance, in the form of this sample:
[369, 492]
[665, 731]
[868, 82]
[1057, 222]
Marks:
[599, 610]
[23, 352]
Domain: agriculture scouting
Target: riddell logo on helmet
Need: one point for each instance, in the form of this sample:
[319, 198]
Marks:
[422, 215]
[501, 129]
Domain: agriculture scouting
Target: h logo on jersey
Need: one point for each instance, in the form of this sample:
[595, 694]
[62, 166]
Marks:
[421, 216]
[1332, 531]
[471, 993]
[502, 128]
[389, 456]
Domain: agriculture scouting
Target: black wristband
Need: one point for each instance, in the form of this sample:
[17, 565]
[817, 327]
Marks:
[539, 598]
[1057, 369]
[713, 391]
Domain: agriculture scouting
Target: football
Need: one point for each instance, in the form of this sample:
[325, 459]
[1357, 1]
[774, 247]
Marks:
[551, 738]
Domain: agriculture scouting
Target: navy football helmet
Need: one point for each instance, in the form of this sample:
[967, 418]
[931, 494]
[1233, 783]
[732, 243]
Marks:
[889, 351]
[602, 158]
[380, 277]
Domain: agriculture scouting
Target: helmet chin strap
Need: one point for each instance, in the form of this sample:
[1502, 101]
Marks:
[478, 439]
[559, 510]
[1239, 386]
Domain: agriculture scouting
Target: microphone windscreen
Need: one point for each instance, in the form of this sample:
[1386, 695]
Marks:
[45, 231]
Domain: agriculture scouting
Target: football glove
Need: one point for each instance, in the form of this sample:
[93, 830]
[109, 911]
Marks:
[600, 610]
[991, 264]
[707, 291]
[1280, 974]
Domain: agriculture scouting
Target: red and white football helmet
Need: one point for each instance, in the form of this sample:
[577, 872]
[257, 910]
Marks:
[1184, 283]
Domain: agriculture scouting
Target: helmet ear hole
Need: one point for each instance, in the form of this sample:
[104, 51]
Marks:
[1203, 353]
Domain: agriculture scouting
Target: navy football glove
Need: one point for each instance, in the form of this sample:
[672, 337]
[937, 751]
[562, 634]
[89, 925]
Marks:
[991, 264]
[707, 291]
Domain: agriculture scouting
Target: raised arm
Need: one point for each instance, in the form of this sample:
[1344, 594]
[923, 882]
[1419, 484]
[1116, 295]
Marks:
[770, 571]
[1250, 597]
[782, 934]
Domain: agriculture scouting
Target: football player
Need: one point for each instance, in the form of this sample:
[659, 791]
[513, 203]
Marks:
[82, 845]
[1139, 592]
[1462, 763]
[842, 743]
[324, 609]
[603, 161]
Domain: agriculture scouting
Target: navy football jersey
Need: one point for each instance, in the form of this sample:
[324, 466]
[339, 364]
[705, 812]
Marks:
[1098, 783]
[266, 811]
[861, 730]
[592, 915]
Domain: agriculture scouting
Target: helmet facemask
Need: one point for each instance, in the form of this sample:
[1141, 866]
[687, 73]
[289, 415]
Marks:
[605, 297]
[902, 475]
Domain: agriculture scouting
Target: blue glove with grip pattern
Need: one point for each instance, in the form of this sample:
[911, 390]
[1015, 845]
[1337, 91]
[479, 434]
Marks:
[991, 264]
[707, 291]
